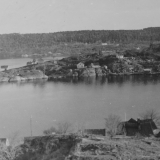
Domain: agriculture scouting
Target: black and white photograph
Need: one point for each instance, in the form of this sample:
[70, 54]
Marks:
[79, 79]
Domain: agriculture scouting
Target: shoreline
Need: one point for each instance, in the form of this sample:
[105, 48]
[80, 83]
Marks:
[42, 76]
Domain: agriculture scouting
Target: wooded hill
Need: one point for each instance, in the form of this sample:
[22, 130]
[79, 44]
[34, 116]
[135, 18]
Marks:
[17, 44]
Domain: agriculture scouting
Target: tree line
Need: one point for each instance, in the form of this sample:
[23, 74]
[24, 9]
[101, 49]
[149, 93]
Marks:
[16, 40]
[16, 43]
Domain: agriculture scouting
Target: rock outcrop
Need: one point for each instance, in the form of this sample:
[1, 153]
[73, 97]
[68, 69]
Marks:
[87, 72]
[116, 149]
[21, 75]
[16, 78]
[4, 77]
[33, 74]
[55, 147]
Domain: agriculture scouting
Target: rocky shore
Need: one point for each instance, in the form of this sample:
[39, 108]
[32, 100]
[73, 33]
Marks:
[89, 65]
[21, 74]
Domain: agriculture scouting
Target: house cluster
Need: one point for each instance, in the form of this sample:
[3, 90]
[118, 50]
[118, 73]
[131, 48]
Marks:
[134, 127]
[131, 65]
[131, 127]
[81, 65]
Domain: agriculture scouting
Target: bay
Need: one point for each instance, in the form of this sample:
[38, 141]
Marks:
[84, 103]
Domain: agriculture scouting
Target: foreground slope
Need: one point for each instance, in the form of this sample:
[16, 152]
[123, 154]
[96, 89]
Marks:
[74, 147]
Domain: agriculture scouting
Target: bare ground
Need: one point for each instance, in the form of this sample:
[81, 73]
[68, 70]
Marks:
[118, 149]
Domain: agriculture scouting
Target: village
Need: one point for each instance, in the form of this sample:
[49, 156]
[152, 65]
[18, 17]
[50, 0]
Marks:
[128, 62]
[130, 139]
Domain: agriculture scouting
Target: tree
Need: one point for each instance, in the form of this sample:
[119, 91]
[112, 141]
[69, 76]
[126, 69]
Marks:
[64, 127]
[61, 128]
[111, 123]
[151, 114]
[10, 152]
[50, 131]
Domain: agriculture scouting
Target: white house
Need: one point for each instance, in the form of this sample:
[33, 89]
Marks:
[119, 56]
[147, 70]
[80, 65]
[95, 65]
[104, 44]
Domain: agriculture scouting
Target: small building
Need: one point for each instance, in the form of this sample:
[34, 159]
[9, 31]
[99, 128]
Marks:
[147, 70]
[80, 65]
[133, 127]
[120, 56]
[95, 65]
[4, 141]
[100, 132]
[104, 44]
[128, 128]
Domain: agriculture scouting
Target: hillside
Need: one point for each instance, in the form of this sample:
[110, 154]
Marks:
[14, 45]
[74, 147]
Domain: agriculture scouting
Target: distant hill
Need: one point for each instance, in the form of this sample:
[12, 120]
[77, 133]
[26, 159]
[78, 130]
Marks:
[14, 45]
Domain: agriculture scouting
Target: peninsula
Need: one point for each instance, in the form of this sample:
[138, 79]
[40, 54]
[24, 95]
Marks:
[99, 63]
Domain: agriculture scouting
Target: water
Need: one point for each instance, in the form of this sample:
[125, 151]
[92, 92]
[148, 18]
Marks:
[83, 103]
[15, 63]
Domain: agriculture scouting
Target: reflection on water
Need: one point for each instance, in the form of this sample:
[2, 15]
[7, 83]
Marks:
[119, 80]
[84, 101]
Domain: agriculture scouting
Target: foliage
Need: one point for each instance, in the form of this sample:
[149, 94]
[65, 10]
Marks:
[7, 152]
[151, 114]
[64, 127]
[47, 148]
[10, 152]
[111, 123]
[50, 131]
[61, 128]
[14, 45]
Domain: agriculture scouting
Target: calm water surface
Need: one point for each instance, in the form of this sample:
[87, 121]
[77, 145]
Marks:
[19, 62]
[83, 103]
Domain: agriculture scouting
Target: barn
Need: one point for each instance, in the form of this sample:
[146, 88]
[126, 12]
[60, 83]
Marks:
[133, 127]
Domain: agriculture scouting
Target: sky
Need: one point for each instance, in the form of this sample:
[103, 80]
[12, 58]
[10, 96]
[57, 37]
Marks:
[44, 16]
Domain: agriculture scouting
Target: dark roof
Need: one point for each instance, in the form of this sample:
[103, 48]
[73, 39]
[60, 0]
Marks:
[132, 121]
[131, 127]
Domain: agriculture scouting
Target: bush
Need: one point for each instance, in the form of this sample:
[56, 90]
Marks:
[61, 128]
[111, 124]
